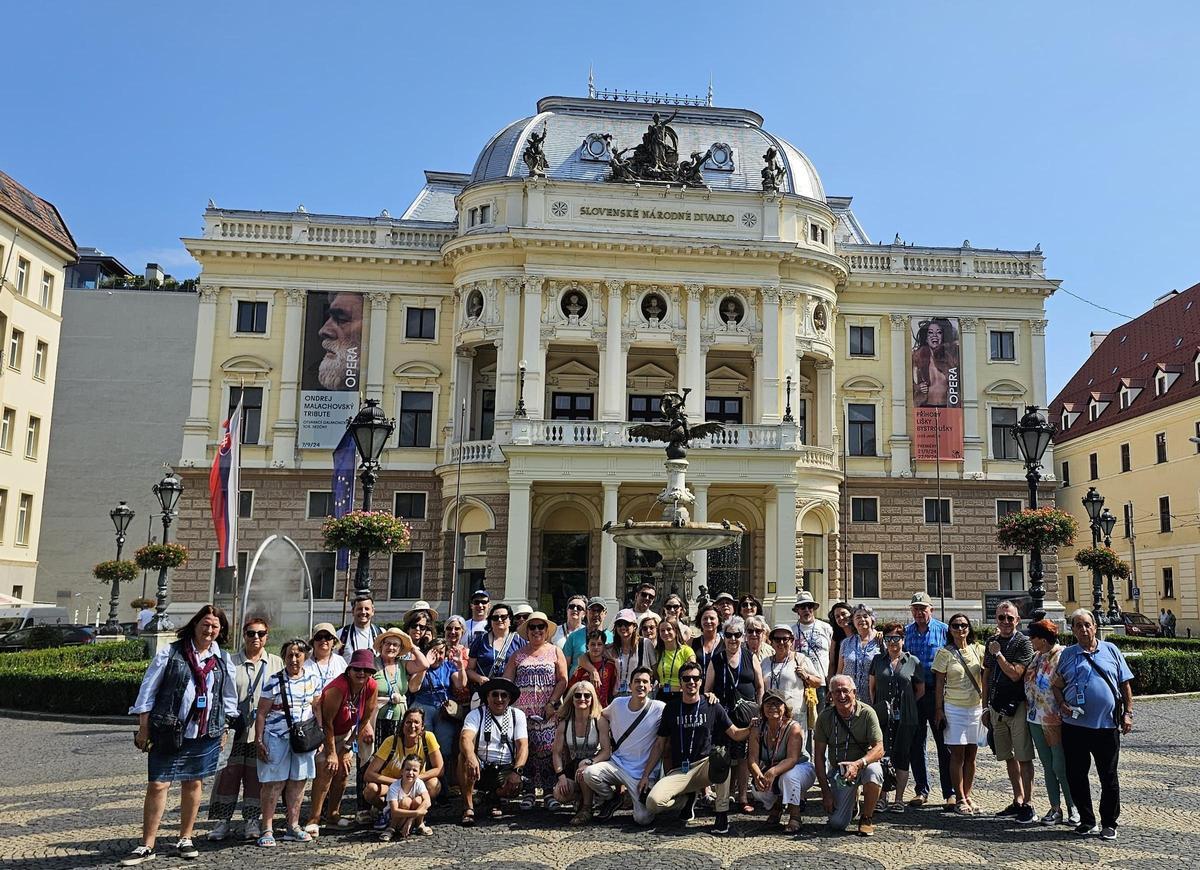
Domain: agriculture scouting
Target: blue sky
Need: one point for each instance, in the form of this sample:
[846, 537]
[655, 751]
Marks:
[1068, 124]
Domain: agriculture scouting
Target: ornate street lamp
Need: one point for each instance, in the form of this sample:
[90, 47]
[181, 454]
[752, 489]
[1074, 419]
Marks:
[787, 411]
[1032, 434]
[122, 516]
[1093, 502]
[520, 413]
[1107, 520]
[167, 491]
[370, 430]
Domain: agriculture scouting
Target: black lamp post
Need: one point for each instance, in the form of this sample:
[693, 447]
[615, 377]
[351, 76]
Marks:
[787, 411]
[520, 413]
[122, 516]
[1092, 503]
[167, 491]
[1107, 520]
[371, 431]
[1032, 434]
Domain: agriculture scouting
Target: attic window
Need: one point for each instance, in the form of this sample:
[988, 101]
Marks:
[1160, 383]
[1179, 341]
[1144, 356]
[1089, 383]
[1123, 337]
[1187, 307]
[1114, 370]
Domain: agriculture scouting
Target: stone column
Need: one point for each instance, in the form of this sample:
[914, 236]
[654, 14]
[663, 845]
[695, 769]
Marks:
[969, 388]
[826, 410]
[377, 346]
[899, 444]
[516, 570]
[768, 401]
[1037, 343]
[700, 515]
[531, 348]
[464, 359]
[692, 375]
[787, 347]
[283, 433]
[198, 428]
[608, 548]
[612, 377]
[785, 552]
[507, 359]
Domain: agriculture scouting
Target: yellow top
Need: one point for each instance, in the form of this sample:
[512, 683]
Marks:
[669, 663]
[960, 690]
[393, 762]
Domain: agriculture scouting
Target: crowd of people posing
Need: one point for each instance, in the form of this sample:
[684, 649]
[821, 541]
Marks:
[506, 711]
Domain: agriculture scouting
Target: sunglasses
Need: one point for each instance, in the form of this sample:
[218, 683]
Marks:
[690, 678]
[579, 696]
[323, 638]
[893, 638]
[622, 625]
[499, 617]
[960, 626]
[649, 595]
[252, 633]
[672, 606]
[1006, 619]
[535, 626]
[498, 693]
[367, 671]
[575, 607]
[781, 638]
[806, 607]
[733, 635]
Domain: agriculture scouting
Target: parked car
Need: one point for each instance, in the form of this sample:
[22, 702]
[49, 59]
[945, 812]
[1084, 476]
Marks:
[25, 615]
[1140, 625]
[45, 636]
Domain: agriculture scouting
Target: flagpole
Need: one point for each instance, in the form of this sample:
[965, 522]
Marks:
[235, 514]
[462, 422]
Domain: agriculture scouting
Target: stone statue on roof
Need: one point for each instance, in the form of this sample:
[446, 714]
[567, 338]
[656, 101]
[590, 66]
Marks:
[657, 157]
[534, 157]
[773, 173]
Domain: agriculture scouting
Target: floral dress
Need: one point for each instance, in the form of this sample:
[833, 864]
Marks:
[858, 656]
[536, 676]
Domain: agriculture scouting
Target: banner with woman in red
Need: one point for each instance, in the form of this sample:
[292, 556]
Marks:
[937, 389]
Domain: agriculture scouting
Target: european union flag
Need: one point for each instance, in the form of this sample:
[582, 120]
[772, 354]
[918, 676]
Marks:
[343, 488]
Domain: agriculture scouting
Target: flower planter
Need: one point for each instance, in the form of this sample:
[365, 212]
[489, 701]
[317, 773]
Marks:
[374, 531]
[121, 570]
[1044, 528]
[155, 557]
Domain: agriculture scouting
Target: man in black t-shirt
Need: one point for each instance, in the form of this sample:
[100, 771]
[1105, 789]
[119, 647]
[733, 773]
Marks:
[687, 731]
[1004, 665]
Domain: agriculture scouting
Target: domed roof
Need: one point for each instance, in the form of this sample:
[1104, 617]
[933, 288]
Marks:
[569, 121]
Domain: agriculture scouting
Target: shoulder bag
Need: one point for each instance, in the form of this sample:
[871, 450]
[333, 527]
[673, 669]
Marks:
[1118, 701]
[304, 736]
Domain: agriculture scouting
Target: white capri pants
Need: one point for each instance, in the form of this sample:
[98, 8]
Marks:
[603, 777]
[792, 785]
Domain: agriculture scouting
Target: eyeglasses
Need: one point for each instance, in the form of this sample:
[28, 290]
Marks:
[806, 606]
[361, 670]
[323, 638]
[480, 602]
[535, 626]
[498, 693]
[499, 617]
[252, 633]
[575, 607]
[579, 696]
[893, 638]
[781, 638]
[690, 678]
[1006, 619]
[733, 635]
[754, 631]
[649, 595]
[672, 606]
[960, 626]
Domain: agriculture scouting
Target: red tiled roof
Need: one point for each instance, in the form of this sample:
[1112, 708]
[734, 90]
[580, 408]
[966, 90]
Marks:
[1166, 337]
[31, 209]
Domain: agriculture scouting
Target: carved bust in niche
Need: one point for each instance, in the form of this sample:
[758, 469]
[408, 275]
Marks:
[732, 311]
[573, 305]
[654, 308]
[820, 318]
[474, 305]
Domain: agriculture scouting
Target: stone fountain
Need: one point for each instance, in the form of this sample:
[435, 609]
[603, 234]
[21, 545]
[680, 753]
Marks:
[675, 537]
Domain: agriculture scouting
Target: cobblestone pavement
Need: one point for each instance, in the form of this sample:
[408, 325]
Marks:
[71, 796]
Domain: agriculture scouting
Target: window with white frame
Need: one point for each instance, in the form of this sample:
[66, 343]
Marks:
[864, 570]
[861, 426]
[252, 408]
[321, 567]
[40, 352]
[1004, 443]
[935, 515]
[420, 324]
[862, 340]
[47, 290]
[1012, 573]
[416, 418]
[320, 504]
[1126, 463]
[935, 580]
[409, 505]
[33, 434]
[24, 519]
[251, 317]
[1160, 383]
[8, 425]
[1003, 345]
[245, 506]
[3, 514]
[864, 509]
[22, 276]
[1006, 506]
[16, 347]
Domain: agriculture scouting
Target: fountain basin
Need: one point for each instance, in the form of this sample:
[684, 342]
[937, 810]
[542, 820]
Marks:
[672, 541]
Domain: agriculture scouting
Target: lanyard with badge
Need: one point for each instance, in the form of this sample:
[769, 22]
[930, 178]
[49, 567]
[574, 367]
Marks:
[252, 692]
[686, 753]
[393, 695]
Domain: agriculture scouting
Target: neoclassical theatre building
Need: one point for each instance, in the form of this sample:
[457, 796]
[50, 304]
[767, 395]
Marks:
[518, 320]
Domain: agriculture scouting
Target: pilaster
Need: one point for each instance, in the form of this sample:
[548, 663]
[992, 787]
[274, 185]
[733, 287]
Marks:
[197, 428]
[283, 433]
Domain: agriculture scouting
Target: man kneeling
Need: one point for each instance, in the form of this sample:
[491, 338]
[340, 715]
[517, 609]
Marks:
[493, 748]
[849, 730]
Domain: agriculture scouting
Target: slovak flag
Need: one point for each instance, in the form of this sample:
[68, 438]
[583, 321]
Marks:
[223, 488]
[343, 488]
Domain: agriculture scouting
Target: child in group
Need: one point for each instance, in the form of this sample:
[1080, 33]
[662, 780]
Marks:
[408, 801]
[596, 668]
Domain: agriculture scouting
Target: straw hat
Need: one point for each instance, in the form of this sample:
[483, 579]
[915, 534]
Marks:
[417, 608]
[538, 616]
[406, 643]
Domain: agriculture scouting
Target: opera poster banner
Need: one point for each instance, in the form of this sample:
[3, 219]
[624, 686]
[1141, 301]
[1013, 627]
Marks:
[331, 367]
[936, 389]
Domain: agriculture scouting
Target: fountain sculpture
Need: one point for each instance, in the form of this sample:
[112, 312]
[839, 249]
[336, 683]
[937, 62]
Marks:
[675, 537]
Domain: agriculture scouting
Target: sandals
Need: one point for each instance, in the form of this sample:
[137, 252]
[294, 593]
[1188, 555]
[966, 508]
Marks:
[553, 804]
[313, 830]
[386, 835]
[896, 808]
[424, 830]
[774, 816]
[468, 819]
[793, 826]
[964, 809]
[267, 840]
[747, 809]
[526, 804]
[496, 813]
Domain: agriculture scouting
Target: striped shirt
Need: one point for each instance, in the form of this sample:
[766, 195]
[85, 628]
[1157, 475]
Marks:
[301, 691]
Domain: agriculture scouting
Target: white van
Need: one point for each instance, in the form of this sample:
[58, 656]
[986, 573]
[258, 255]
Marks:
[14, 618]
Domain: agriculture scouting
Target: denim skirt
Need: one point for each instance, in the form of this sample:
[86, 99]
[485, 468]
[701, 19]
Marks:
[196, 759]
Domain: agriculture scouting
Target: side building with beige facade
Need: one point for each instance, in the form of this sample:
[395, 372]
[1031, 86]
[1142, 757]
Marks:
[518, 327]
[35, 249]
[1129, 425]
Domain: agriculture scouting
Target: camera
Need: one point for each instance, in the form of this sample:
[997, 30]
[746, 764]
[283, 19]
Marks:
[1076, 712]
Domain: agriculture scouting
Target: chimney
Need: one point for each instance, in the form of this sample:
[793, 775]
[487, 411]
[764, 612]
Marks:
[153, 273]
[1097, 338]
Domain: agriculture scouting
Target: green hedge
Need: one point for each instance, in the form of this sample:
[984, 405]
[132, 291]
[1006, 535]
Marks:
[1165, 672]
[99, 679]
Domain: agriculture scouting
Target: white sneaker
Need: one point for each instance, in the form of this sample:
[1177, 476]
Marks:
[1072, 818]
[253, 830]
[219, 832]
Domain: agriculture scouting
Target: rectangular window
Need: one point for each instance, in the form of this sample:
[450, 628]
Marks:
[1160, 447]
[1003, 345]
[487, 415]
[32, 435]
[1006, 506]
[409, 505]
[935, 515]
[1168, 582]
[864, 568]
[320, 504]
[1198, 437]
[1004, 445]
[485, 214]
[223, 580]
[933, 582]
[572, 406]
[245, 506]
[1093, 466]
[1125, 464]
[1164, 513]
[646, 409]
[1066, 473]
[8, 425]
[321, 567]
[416, 419]
[421, 323]
[3, 514]
[16, 346]
[24, 519]
[40, 351]
[22, 276]
[1070, 587]
[406, 575]
[862, 430]
[864, 509]
[862, 341]
[251, 411]
[1012, 573]
[47, 290]
[1127, 511]
[252, 317]
[723, 409]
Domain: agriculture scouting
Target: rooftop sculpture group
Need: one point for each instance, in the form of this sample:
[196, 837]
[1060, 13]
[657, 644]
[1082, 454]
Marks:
[657, 158]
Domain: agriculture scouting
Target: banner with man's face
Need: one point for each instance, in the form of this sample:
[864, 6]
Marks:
[937, 389]
[331, 362]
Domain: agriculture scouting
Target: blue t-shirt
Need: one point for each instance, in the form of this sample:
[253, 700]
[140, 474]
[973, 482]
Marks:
[491, 665]
[576, 646]
[925, 646]
[1085, 689]
[435, 687]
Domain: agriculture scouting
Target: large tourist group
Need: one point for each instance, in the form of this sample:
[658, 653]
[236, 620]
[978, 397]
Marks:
[665, 714]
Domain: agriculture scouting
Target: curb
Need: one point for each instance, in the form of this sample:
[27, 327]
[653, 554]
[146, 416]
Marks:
[67, 717]
[1180, 696]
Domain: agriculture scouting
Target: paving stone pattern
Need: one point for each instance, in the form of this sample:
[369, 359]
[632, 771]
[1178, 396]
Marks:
[71, 796]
